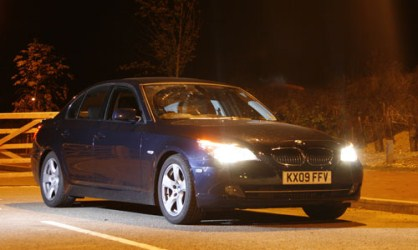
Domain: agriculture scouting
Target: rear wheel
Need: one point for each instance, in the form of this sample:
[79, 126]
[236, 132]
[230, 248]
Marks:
[176, 194]
[52, 183]
[325, 211]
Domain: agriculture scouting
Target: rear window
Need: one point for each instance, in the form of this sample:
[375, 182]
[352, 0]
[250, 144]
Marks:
[74, 108]
[89, 106]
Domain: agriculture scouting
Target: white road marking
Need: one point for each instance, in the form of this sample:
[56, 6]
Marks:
[389, 200]
[104, 236]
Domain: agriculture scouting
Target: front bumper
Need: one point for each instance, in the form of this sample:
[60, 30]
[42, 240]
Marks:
[278, 198]
[258, 185]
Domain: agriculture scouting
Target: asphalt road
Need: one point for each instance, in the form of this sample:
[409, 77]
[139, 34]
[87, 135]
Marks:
[26, 223]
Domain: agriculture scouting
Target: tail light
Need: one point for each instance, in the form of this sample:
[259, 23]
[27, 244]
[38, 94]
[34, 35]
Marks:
[36, 131]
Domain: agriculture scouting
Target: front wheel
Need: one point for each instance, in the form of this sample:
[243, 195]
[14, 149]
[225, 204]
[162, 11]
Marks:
[326, 211]
[176, 194]
[52, 183]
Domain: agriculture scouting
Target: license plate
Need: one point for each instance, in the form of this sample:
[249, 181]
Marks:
[306, 177]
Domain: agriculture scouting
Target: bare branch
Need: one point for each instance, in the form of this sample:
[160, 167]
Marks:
[171, 29]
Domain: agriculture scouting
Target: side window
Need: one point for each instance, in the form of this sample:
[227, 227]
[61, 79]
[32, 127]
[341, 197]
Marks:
[75, 106]
[93, 105]
[123, 98]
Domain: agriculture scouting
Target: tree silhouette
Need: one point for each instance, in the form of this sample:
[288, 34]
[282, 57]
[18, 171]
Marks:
[170, 29]
[40, 79]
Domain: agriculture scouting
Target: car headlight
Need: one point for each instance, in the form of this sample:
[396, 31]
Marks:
[348, 154]
[227, 153]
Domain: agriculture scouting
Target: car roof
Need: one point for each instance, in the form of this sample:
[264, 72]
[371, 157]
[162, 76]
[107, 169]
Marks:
[150, 80]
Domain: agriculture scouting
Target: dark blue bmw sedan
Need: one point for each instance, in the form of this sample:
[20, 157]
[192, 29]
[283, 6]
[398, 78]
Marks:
[189, 146]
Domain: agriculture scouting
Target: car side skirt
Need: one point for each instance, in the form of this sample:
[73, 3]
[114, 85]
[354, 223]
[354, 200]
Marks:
[111, 194]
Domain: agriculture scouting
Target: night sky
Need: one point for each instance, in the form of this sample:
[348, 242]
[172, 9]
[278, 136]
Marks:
[307, 43]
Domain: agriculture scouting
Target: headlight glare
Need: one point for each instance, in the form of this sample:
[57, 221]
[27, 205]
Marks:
[227, 153]
[348, 154]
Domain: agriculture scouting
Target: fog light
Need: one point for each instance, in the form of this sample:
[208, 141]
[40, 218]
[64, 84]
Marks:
[234, 191]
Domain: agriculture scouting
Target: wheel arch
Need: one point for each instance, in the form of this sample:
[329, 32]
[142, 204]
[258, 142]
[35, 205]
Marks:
[159, 165]
[41, 161]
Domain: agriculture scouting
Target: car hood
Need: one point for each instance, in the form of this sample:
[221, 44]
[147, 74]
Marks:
[247, 131]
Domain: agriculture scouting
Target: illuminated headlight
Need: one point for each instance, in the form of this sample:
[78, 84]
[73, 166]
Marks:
[348, 154]
[227, 153]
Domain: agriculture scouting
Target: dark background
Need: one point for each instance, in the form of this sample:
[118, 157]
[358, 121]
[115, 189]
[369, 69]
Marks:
[249, 43]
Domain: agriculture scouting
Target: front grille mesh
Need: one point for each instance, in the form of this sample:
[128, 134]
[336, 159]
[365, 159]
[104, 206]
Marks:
[297, 157]
[319, 156]
[288, 156]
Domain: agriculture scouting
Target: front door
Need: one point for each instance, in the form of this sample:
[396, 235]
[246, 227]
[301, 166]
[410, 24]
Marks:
[117, 143]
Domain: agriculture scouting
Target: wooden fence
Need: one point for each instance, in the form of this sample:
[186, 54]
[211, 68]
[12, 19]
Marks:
[23, 124]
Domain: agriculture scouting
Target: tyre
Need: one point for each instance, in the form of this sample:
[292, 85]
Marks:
[52, 183]
[176, 195]
[325, 211]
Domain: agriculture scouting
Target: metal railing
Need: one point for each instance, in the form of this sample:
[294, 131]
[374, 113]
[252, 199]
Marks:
[13, 140]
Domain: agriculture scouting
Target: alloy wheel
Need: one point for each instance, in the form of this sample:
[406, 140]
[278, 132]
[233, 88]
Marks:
[51, 179]
[173, 189]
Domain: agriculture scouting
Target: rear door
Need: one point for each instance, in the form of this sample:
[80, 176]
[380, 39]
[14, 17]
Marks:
[78, 131]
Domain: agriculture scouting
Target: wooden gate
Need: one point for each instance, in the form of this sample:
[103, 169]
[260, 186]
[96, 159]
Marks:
[11, 139]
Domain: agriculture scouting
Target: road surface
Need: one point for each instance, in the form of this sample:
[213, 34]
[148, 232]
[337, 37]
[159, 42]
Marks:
[26, 223]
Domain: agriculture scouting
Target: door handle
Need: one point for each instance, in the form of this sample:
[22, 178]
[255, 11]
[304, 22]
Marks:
[99, 136]
[65, 133]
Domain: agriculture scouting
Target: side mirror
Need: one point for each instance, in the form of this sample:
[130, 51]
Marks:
[124, 114]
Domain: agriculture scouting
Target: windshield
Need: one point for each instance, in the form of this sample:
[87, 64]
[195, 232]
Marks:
[194, 101]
